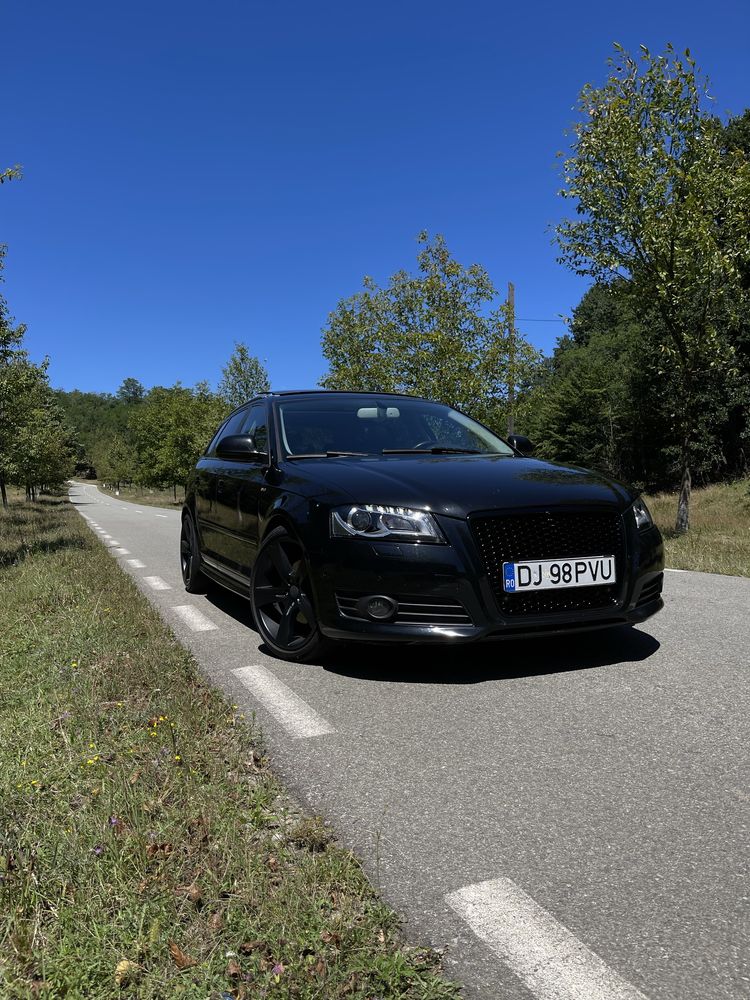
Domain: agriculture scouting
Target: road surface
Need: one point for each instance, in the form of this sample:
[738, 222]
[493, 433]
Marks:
[567, 818]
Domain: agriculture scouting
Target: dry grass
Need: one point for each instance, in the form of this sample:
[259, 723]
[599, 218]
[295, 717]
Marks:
[719, 537]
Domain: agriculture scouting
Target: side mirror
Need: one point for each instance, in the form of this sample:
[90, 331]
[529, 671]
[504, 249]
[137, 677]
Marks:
[240, 448]
[521, 443]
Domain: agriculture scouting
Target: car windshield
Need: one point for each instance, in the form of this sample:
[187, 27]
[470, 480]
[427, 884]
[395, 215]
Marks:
[370, 425]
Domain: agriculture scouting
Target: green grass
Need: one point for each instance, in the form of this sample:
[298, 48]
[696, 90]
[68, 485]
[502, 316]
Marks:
[146, 850]
[719, 537]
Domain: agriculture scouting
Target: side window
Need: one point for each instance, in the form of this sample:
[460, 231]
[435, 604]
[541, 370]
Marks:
[255, 423]
[211, 450]
[230, 426]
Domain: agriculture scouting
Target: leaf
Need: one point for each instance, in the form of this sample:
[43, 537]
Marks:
[249, 946]
[180, 959]
[233, 969]
[125, 972]
[153, 849]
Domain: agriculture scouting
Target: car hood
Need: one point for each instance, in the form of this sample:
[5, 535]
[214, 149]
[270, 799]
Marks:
[453, 485]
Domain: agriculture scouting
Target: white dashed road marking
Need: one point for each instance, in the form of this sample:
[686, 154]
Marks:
[193, 618]
[160, 515]
[668, 570]
[294, 714]
[546, 957]
[136, 563]
[156, 583]
[122, 552]
[112, 542]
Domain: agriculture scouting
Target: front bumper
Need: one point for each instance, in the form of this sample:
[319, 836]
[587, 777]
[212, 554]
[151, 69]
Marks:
[448, 595]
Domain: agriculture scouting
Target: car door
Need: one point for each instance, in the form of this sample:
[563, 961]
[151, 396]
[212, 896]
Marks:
[211, 519]
[238, 491]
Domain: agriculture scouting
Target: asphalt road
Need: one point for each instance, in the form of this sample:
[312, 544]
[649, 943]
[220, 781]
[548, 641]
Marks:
[567, 818]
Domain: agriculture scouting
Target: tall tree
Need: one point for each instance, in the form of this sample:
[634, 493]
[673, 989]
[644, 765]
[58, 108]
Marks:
[170, 429]
[663, 206]
[433, 333]
[131, 391]
[242, 377]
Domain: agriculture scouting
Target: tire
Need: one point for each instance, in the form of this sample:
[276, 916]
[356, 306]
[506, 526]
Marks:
[281, 599]
[190, 558]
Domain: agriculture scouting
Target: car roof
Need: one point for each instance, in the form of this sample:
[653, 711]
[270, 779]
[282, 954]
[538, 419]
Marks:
[338, 392]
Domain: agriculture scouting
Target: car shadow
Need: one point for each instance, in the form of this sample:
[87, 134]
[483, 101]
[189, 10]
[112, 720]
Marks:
[473, 663]
[230, 604]
[465, 663]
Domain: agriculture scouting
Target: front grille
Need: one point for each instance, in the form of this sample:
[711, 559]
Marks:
[550, 535]
[411, 610]
[651, 591]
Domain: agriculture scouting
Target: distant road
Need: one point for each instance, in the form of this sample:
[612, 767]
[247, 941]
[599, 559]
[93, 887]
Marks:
[568, 818]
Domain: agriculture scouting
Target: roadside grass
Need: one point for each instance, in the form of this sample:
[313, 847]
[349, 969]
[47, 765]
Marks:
[142, 495]
[719, 537]
[146, 850]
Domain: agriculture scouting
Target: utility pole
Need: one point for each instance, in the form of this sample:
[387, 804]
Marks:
[511, 357]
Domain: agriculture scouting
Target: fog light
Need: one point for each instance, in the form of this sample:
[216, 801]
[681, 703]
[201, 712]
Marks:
[380, 608]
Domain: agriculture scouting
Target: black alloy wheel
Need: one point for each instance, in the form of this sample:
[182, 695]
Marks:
[190, 557]
[280, 596]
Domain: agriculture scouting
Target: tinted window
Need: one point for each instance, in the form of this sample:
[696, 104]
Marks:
[368, 424]
[211, 450]
[254, 422]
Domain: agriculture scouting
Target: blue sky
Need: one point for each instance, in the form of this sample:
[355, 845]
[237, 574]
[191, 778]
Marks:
[197, 174]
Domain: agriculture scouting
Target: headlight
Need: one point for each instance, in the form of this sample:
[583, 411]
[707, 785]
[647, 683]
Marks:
[390, 523]
[642, 515]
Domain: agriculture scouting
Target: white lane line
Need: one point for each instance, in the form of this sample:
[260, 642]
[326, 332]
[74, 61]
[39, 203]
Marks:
[294, 714]
[156, 583]
[193, 618]
[111, 541]
[139, 512]
[160, 515]
[668, 570]
[122, 552]
[136, 563]
[546, 957]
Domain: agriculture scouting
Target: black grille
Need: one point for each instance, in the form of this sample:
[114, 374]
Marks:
[550, 535]
[651, 591]
[411, 610]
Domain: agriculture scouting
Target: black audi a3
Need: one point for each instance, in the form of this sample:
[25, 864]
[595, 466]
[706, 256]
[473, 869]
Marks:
[390, 518]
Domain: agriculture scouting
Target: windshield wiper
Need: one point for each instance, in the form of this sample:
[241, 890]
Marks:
[330, 454]
[430, 451]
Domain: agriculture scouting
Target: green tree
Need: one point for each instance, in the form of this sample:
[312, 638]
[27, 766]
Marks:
[131, 391]
[663, 206]
[242, 377]
[170, 429]
[433, 334]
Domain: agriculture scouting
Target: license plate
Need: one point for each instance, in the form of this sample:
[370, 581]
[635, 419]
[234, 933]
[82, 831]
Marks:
[554, 574]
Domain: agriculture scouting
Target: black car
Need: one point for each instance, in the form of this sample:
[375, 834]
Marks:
[391, 518]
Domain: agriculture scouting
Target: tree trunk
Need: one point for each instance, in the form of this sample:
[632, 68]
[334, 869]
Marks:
[174, 490]
[3, 492]
[683, 504]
